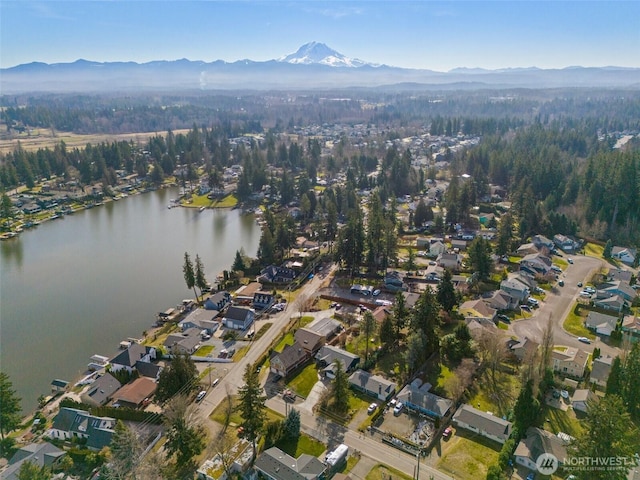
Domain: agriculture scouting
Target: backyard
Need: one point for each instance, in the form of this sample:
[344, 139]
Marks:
[467, 455]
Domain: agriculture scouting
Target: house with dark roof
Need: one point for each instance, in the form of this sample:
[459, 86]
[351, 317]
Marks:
[218, 301]
[327, 356]
[126, 360]
[101, 390]
[135, 393]
[263, 300]
[39, 454]
[274, 464]
[482, 423]
[291, 357]
[149, 370]
[372, 385]
[600, 369]
[615, 303]
[273, 274]
[74, 423]
[540, 241]
[311, 341]
[535, 443]
[184, 343]
[536, 264]
[416, 396]
[201, 319]
[238, 318]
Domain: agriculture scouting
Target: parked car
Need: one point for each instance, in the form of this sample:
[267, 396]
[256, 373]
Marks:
[504, 318]
[398, 408]
[591, 290]
[585, 294]
[532, 301]
[579, 284]
[526, 308]
[447, 431]
[372, 408]
[376, 292]
[201, 395]
[570, 260]
[584, 340]
[561, 283]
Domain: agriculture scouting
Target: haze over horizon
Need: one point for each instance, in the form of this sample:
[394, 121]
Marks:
[437, 36]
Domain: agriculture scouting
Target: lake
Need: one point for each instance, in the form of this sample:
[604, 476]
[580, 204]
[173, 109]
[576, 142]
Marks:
[77, 286]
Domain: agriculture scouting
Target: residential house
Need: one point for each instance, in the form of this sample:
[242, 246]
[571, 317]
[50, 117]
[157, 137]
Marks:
[601, 323]
[328, 355]
[380, 313]
[274, 464]
[218, 301]
[526, 249]
[73, 423]
[101, 390]
[437, 248]
[536, 264]
[614, 303]
[39, 454]
[624, 254]
[565, 243]
[149, 370]
[522, 349]
[274, 274]
[410, 299]
[238, 318]
[461, 245]
[616, 287]
[309, 340]
[515, 289]
[501, 300]
[619, 274]
[571, 362]
[291, 357]
[135, 394]
[452, 261]
[201, 319]
[478, 310]
[535, 443]
[263, 300]
[372, 385]
[581, 398]
[416, 396]
[600, 369]
[244, 295]
[422, 242]
[542, 242]
[478, 330]
[127, 359]
[483, 423]
[326, 326]
[631, 328]
[185, 343]
[393, 282]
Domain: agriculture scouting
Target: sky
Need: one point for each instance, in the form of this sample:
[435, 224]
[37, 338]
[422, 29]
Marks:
[412, 34]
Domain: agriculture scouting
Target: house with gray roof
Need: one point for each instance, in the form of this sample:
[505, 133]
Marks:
[372, 385]
[126, 360]
[619, 274]
[418, 398]
[274, 464]
[71, 422]
[581, 398]
[515, 289]
[614, 303]
[616, 287]
[326, 326]
[239, 318]
[218, 301]
[39, 454]
[536, 263]
[601, 323]
[185, 343]
[202, 319]
[101, 390]
[291, 357]
[328, 354]
[600, 369]
[482, 423]
[624, 254]
[535, 443]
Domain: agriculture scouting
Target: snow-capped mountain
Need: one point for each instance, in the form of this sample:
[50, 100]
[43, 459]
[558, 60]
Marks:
[319, 53]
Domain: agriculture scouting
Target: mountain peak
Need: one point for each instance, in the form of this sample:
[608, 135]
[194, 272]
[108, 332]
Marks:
[319, 53]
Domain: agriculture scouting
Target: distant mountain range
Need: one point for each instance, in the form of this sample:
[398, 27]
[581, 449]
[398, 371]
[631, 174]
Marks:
[313, 66]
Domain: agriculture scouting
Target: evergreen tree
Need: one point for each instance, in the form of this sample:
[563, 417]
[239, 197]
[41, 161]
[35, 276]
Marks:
[608, 247]
[184, 440]
[387, 333]
[526, 409]
[426, 319]
[251, 406]
[9, 406]
[189, 274]
[125, 449]
[292, 424]
[340, 392]
[200, 279]
[238, 263]
[479, 251]
[179, 377]
[368, 326]
[446, 292]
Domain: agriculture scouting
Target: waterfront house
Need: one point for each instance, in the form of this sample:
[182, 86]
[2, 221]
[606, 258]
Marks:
[328, 354]
[185, 343]
[600, 369]
[218, 301]
[202, 320]
[416, 396]
[73, 423]
[291, 357]
[101, 390]
[372, 385]
[571, 362]
[135, 394]
[535, 443]
[39, 454]
[274, 274]
[127, 359]
[274, 464]
[238, 318]
[482, 423]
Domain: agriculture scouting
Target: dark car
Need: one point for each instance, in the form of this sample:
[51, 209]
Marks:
[504, 318]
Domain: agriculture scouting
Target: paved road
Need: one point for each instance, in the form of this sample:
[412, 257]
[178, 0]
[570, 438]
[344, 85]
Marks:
[558, 303]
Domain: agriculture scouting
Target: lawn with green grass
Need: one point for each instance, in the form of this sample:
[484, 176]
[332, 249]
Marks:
[574, 323]
[498, 398]
[303, 444]
[287, 340]
[204, 350]
[593, 250]
[557, 420]
[382, 472]
[437, 375]
[304, 381]
[467, 455]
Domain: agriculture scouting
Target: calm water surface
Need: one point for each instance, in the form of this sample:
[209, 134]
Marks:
[75, 287]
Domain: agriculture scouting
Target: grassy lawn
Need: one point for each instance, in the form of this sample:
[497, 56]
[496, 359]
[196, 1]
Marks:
[287, 340]
[382, 472]
[556, 420]
[467, 455]
[503, 326]
[229, 201]
[305, 320]
[204, 350]
[240, 353]
[437, 375]
[304, 381]
[498, 399]
[219, 414]
[350, 463]
[574, 323]
[593, 250]
[300, 445]
[198, 201]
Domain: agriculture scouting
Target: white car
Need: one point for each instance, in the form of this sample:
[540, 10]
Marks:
[584, 340]
[585, 294]
[590, 290]
[398, 408]
[372, 408]
[201, 395]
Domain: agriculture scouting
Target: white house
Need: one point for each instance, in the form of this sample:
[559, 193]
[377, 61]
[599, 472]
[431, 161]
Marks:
[625, 255]
[601, 323]
[239, 318]
[535, 443]
[483, 423]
